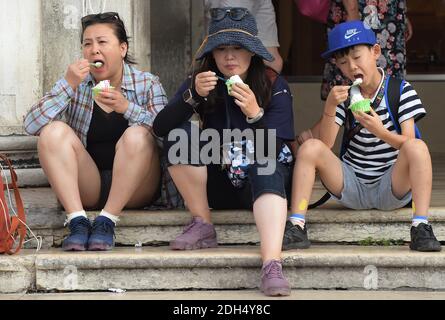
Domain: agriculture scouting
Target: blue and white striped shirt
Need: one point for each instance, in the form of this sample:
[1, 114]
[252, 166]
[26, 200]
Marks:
[369, 156]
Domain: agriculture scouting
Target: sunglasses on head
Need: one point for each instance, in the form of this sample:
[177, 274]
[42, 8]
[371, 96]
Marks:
[100, 17]
[237, 14]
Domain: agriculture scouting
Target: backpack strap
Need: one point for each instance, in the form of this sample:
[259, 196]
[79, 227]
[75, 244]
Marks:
[394, 91]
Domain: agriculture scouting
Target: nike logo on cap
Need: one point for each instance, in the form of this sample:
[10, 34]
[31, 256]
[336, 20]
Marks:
[350, 33]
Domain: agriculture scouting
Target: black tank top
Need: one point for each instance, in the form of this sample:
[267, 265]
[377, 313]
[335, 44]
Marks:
[105, 131]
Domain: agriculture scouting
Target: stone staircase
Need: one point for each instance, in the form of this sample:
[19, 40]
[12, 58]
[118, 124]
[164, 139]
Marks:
[351, 250]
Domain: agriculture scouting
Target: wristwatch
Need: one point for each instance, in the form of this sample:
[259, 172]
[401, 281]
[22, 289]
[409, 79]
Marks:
[188, 98]
[256, 118]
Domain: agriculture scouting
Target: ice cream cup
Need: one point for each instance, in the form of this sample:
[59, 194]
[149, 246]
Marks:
[363, 106]
[97, 91]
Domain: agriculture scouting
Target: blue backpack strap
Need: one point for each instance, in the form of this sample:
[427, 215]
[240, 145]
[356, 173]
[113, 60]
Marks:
[393, 92]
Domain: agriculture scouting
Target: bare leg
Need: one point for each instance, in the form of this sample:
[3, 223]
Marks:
[192, 184]
[270, 211]
[71, 171]
[136, 171]
[413, 171]
[314, 155]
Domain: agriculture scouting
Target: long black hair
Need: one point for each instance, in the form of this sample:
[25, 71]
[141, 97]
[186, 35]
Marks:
[113, 19]
[257, 79]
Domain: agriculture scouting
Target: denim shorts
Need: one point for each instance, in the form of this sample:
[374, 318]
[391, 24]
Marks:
[361, 196]
[222, 195]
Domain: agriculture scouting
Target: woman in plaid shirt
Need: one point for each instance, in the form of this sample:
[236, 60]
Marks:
[98, 151]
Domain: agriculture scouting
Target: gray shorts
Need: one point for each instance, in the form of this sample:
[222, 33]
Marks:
[357, 195]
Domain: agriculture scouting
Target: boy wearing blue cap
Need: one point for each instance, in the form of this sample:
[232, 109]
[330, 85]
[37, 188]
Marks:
[383, 165]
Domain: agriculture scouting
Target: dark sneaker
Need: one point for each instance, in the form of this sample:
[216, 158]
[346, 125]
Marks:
[273, 282]
[423, 238]
[80, 229]
[102, 235]
[197, 235]
[295, 237]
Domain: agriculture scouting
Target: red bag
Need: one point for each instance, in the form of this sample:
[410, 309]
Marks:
[315, 9]
[11, 228]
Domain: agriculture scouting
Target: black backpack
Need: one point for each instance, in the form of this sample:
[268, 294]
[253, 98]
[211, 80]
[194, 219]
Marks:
[393, 91]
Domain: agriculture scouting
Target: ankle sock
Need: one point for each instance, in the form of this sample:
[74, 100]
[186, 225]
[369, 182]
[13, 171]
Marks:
[75, 215]
[418, 220]
[110, 216]
[298, 219]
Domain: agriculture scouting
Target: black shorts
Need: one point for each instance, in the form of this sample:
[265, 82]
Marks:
[221, 193]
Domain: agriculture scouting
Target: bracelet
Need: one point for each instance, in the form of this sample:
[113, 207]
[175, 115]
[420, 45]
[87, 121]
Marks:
[328, 115]
[256, 118]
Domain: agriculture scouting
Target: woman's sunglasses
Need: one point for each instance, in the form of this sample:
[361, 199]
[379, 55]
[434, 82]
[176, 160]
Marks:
[100, 17]
[237, 14]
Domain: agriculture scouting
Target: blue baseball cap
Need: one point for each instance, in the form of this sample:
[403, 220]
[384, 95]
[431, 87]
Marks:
[349, 34]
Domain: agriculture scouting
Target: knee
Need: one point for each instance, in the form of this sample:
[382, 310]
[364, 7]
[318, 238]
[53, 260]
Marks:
[311, 149]
[136, 139]
[415, 148]
[54, 135]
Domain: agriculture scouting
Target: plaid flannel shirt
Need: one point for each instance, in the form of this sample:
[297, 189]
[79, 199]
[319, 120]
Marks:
[142, 89]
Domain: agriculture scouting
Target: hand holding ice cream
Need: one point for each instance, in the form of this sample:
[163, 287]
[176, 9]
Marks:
[110, 99]
[230, 82]
[244, 97]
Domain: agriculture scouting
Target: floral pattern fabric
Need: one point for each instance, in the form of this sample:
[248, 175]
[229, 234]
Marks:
[388, 20]
[240, 157]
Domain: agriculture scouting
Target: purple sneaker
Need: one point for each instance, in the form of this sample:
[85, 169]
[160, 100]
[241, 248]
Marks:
[273, 282]
[197, 235]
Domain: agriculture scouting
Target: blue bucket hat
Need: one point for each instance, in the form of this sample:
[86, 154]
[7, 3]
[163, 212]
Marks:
[349, 34]
[231, 32]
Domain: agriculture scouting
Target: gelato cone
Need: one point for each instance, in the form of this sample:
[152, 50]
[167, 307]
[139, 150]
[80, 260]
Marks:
[103, 85]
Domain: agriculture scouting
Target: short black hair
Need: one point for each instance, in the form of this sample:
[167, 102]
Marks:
[345, 51]
[113, 19]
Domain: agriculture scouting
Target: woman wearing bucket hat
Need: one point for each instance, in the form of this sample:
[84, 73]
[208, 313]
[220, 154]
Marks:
[262, 101]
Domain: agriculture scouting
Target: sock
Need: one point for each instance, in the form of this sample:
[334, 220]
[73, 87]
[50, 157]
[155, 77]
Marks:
[110, 216]
[418, 220]
[298, 219]
[75, 215]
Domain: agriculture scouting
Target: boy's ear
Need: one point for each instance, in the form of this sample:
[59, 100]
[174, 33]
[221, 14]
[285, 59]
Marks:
[376, 51]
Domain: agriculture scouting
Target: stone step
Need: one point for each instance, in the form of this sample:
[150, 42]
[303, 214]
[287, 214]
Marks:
[15, 143]
[328, 224]
[21, 150]
[239, 295]
[224, 268]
